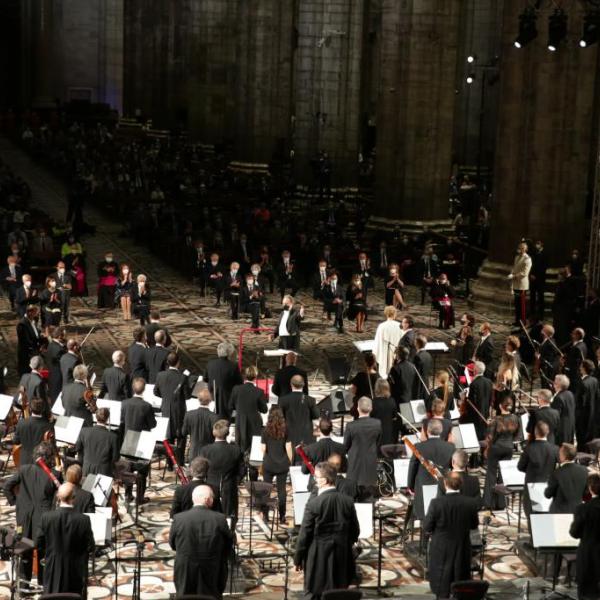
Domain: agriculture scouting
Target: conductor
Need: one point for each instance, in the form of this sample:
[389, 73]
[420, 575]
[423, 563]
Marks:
[288, 326]
[202, 542]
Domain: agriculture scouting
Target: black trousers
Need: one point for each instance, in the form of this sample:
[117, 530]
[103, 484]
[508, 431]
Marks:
[253, 308]
[280, 479]
[289, 342]
[143, 469]
[492, 477]
[520, 301]
[66, 306]
[338, 311]
[536, 297]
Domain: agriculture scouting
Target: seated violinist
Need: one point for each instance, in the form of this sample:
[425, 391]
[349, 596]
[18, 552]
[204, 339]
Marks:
[441, 295]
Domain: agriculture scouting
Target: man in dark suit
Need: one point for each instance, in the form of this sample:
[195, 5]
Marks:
[436, 451]
[251, 299]
[249, 402]
[31, 431]
[68, 361]
[73, 397]
[484, 350]
[173, 387]
[329, 530]
[281, 381]
[546, 414]
[285, 275]
[449, 521]
[25, 296]
[567, 483]
[548, 356]
[586, 528]
[362, 439]
[564, 404]
[156, 356]
[213, 275]
[98, 446]
[198, 424]
[56, 348]
[202, 542]
[480, 395]
[64, 285]
[288, 325]
[402, 377]
[222, 375]
[363, 268]
[83, 501]
[155, 325]
[136, 354]
[35, 496]
[586, 404]
[334, 296]
[424, 364]
[10, 276]
[182, 499]
[469, 484]
[226, 468]
[65, 540]
[116, 383]
[299, 411]
[29, 338]
[232, 282]
[33, 383]
[324, 447]
[408, 335]
[428, 269]
[319, 280]
[537, 461]
[137, 415]
[576, 353]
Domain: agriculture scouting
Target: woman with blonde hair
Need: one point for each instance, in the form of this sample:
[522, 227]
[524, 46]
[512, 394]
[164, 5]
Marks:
[140, 299]
[442, 391]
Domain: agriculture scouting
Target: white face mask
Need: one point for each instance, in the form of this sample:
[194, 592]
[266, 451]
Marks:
[108, 258]
[125, 271]
[27, 284]
[333, 281]
[214, 263]
[61, 271]
[255, 273]
[52, 285]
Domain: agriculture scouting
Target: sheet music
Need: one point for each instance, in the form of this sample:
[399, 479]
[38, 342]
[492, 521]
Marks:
[149, 396]
[299, 499]
[160, 431]
[192, 404]
[67, 429]
[299, 479]
[436, 347]
[57, 407]
[511, 476]
[277, 352]
[429, 493]
[465, 437]
[415, 440]
[99, 486]
[114, 407]
[401, 472]
[364, 513]
[5, 405]
[256, 454]
[552, 531]
[454, 412]
[101, 525]
[524, 421]
[365, 345]
[539, 502]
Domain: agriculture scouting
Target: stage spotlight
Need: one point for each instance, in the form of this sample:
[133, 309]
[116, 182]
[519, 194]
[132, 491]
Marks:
[527, 27]
[470, 78]
[557, 29]
[591, 29]
[471, 58]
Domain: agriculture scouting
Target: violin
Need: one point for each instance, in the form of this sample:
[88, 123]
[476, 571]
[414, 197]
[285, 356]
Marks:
[89, 397]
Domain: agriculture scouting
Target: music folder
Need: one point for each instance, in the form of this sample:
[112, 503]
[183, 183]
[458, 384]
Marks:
[415, 440]
[401, 472]
[256, 454]
[6, 402]
[436, 347]
[160, 431]
[100, 486]
[57, 407]
[277, 352]
[138, 444]
[414, 411]
[552, 531]
[299, 500]
[465, 437]
[511, 476]
[365, 345]
[114, 408]
[299, 479]
[101, 522]
[67, 429]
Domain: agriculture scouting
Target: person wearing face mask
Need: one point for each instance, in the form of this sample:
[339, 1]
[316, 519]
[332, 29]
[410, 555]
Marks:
[140, 298]
[266, 268]
[319, 280]
[108, 273]
[10, 277]
[29, 339]
[123, 291]
[356, 296]
[537, 279]
[441, 295]
[286, 277]
[25, 295]
[213, 276]
[288, 325]
[334, 295]
[231, 284]
[51, 303]
[393, 288]
[63, 285]
[251, 299]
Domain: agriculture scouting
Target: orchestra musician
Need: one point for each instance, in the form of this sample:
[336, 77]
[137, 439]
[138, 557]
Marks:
[153, 326]
[156, 356]
[564, 403]
[116, 383]
[424, 364]
[56, 348]
[586, 405]
[545, 414]
[198, 425]
[83, 501]
[32, 430]
[98, 446]
[182, 498]
[74, 396]
[438, 412]
[484, 350]
[402, 377]
[548, 356]
[393, 288]
[464, 342]
[480, 396]
[408, 335]
[68, 361]
[281, 381]
[469, 485]
[222, 374]
[51, 303]
[324, 447]
[442, 294]
[248, 401]
[34, 384]
[567, 484]
[29, 339]
[576, 353]
[136, 354]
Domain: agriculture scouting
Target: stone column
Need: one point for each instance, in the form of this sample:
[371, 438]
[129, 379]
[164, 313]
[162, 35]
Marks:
[416, 111]
[327, 87]
[543, 148]
[39, 35]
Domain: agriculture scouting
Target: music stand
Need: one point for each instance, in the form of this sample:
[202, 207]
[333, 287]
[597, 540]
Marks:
[160, 430]
[414, 411]
[114, 409]
[101, 522]
[150, 398]
[100, 486]
[256, 453]
[299, 500]
[67, 429]
[299, 479]
[514, 481]
[465, 438]
[364, 513]
[138, 445]
[57, 407]
[401, 472]
[539, 502]
[5, 406]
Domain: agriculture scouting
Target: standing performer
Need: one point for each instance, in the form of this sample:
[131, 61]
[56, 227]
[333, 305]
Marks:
[334, 296]
[31, 431]
[249, 402]
[107, 280]
[449, 521]
[299, 411]
[387, 339]
[56, 348]
[564, 404]
[202, 542]
[288, 326]
[329, 529]
[116, 383]
[29, 339]
[519, 277]
[222, 374]
[198, 424]
[98, 446]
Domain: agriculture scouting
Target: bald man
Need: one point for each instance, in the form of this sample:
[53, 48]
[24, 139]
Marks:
[65, 539]
[116, 383]
[202, 542]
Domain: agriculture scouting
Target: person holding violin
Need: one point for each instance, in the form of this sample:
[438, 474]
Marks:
[83, 501]
[393, 288]
[586, 405]
[385, 409]
[51, 303]
[75, 396]
[56, 348]
[31, 431]
[424, 365]
[34, 384]
[547, 357]
[545, 414]
[477, 409]
[69, 360]
[441, 293]
[123, 290]
[508, 377]
[363, 382]
[576, 353]
[484, 350]
[503, 432]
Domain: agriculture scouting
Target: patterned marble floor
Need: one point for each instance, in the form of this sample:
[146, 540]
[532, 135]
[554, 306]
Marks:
[196, 327]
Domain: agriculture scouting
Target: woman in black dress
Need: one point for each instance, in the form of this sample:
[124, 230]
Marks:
[357, 305]
[393, 288]
[277, 455]
[140, 299]
[503, 432]
[384, 409]
[363, 382]
[123, 291]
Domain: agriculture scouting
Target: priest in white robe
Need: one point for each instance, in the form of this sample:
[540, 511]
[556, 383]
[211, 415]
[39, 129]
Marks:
[387, 338]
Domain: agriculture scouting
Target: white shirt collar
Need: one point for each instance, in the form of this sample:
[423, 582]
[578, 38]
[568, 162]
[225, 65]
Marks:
[327, 489]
